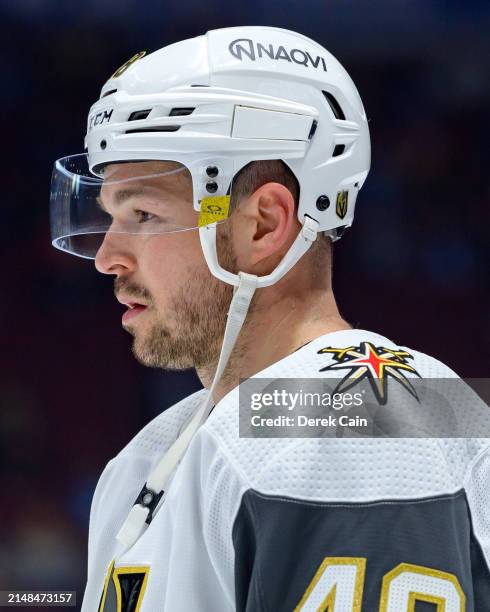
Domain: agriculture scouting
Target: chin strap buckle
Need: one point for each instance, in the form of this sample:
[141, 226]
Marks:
[148, 499]
[139, 517]
[310, 229]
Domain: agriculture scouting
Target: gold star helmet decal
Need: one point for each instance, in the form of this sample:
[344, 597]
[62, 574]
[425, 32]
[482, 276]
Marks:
[376, 364]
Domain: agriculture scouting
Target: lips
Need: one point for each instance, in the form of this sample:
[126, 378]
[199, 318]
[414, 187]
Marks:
[134, 309]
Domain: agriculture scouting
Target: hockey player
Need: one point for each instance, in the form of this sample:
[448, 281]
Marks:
[218, 172]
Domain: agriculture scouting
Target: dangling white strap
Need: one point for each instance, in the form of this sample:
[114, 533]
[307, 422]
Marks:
[139, 515]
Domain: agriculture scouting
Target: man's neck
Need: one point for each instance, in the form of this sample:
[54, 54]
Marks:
[275, 328]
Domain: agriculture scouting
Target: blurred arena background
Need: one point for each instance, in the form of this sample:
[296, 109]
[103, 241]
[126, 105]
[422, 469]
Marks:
[415, 265]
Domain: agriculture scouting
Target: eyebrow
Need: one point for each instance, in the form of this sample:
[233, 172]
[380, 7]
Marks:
[123, 195]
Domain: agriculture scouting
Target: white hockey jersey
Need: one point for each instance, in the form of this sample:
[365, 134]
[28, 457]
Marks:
[272, 525]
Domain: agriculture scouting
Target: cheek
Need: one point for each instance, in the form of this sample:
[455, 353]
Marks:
[169, 262]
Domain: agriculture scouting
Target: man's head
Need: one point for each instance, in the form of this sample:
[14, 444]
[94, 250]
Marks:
[181, 316]
[215, 105]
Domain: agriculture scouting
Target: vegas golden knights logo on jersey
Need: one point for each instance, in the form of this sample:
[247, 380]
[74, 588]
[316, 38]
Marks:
[124, 588]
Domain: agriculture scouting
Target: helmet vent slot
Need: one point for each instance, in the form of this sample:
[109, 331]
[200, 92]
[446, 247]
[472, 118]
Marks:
[334, 105]
[140, 114]
[338, 150]
[157, 128]
[181, 112]
[108, 93]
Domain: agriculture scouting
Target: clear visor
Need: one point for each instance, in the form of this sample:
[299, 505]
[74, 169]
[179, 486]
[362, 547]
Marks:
[135, 198]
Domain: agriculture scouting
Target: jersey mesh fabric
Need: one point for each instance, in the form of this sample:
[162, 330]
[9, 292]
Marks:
[350, 470]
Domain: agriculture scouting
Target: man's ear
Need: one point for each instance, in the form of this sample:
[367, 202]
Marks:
[268, 227]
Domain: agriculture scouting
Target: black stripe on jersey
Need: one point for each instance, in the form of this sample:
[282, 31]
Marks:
[281, 542]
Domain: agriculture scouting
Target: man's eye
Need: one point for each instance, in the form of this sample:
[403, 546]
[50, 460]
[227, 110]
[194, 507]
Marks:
[143, 216]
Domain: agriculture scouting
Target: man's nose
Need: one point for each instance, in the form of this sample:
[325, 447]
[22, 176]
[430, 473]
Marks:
[114, 256]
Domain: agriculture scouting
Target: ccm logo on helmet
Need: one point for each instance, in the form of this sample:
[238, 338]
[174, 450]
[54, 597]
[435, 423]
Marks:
[245, 46]
[99, 118]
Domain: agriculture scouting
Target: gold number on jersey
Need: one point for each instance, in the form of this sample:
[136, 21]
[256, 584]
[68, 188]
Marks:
[343, 574]
[342, 579]
[407, 584]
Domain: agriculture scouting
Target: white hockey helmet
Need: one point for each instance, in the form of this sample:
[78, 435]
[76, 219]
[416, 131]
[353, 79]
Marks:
[213, 104]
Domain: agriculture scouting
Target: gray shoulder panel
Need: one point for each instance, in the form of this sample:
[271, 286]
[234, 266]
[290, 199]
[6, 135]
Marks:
[280, 544]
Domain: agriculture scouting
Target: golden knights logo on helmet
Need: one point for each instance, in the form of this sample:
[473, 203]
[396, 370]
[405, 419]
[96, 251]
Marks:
[127, 64]
[342, 203]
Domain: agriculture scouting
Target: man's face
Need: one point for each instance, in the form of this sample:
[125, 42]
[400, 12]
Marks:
[177, 309]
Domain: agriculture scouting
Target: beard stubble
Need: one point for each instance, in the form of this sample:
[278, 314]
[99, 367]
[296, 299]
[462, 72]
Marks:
[194, 325]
